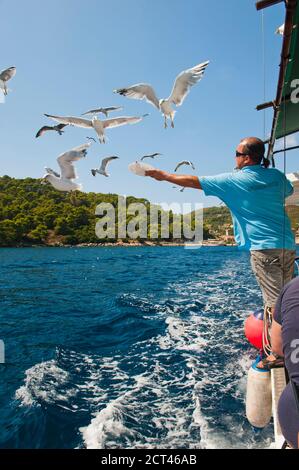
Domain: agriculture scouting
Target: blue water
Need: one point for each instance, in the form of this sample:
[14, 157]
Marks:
[126, 348]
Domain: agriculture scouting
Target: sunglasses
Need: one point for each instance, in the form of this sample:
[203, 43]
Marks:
[239, 154]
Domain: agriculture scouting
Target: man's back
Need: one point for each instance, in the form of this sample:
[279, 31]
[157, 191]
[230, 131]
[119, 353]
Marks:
[255, 196]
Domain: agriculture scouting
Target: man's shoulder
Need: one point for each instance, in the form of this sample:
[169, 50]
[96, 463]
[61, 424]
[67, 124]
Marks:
[275, 172]
[262, 174]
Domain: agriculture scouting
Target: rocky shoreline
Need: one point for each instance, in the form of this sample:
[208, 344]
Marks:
[209, 243]
[122, 244]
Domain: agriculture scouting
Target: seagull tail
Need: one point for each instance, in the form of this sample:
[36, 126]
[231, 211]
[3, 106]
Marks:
[79, 187]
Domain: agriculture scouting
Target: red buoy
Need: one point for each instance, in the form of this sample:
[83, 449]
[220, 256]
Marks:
[254, 327]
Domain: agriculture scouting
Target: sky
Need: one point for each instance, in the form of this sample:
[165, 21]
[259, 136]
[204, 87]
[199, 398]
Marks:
[71, 54]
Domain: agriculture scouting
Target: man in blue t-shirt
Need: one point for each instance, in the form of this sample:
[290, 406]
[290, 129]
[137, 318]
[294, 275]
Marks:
[255, 195]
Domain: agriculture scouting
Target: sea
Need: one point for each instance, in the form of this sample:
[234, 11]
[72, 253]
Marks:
[126, 348]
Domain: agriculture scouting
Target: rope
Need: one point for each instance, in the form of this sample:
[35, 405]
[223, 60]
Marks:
[268, 317]
[267, 314]
[284, 188]
[264, 68]
[266, 332]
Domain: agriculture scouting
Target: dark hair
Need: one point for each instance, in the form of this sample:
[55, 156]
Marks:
[255, 148]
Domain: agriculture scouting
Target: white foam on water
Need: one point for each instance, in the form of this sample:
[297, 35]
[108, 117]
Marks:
[107, 422]
[165, 391]
[184, 417]
[30, 393]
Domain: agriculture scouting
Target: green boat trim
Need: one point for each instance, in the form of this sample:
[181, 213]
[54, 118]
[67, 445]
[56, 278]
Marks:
[286, 104]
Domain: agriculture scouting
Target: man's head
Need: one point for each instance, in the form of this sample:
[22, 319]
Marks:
[251, 151]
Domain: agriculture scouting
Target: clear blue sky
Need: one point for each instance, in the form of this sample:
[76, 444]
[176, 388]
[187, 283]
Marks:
[71, 54]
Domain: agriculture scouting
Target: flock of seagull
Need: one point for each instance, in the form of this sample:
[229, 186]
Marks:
[65, 180]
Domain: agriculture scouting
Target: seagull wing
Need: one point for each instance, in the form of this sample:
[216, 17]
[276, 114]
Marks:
[113, 108]
[141, 91]
[72, 121]
[52, 172]
[65, 161]
[185, 81]
[184, 163]
[177, 167]
[105, 163]
[146, 156]
[103, 110]
[7, 74]
[92, 111]
[61, 126]
[43, 130]
[121, 121]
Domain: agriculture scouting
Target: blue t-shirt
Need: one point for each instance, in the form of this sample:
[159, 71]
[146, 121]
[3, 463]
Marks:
[287, 315]
[255, 196]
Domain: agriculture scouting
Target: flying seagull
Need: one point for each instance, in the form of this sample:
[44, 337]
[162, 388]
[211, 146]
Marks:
[91, 138]
[103, 167]
[280, 30]
[96, 124]
[45, 129]
[181, 190]
[104, 111]
[64, 181]
[151, 156]
[184, 163]
[182, 85]
[5, 76]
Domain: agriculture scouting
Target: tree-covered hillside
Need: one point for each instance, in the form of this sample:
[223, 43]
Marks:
[31, 213]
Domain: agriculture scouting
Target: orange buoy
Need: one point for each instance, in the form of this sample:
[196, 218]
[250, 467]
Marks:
[254, 327]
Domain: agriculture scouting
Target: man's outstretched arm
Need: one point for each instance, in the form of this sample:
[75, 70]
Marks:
[187, 181]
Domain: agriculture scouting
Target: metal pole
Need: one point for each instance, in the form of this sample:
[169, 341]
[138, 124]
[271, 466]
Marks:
[286, 150]
[290, 12]
[272, 104]
[267, 3]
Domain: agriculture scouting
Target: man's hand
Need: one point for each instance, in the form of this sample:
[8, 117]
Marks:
[158, 175]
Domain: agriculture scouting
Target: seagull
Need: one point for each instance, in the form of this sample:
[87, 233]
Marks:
[181, 190]
[45, 129]
[151, 156]
[182, 85]
[91, 138]
[64, 181]
[280, 30]
[104, 164]
[96, 124]
[5, 76]
[184, 163]
[104, 111]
